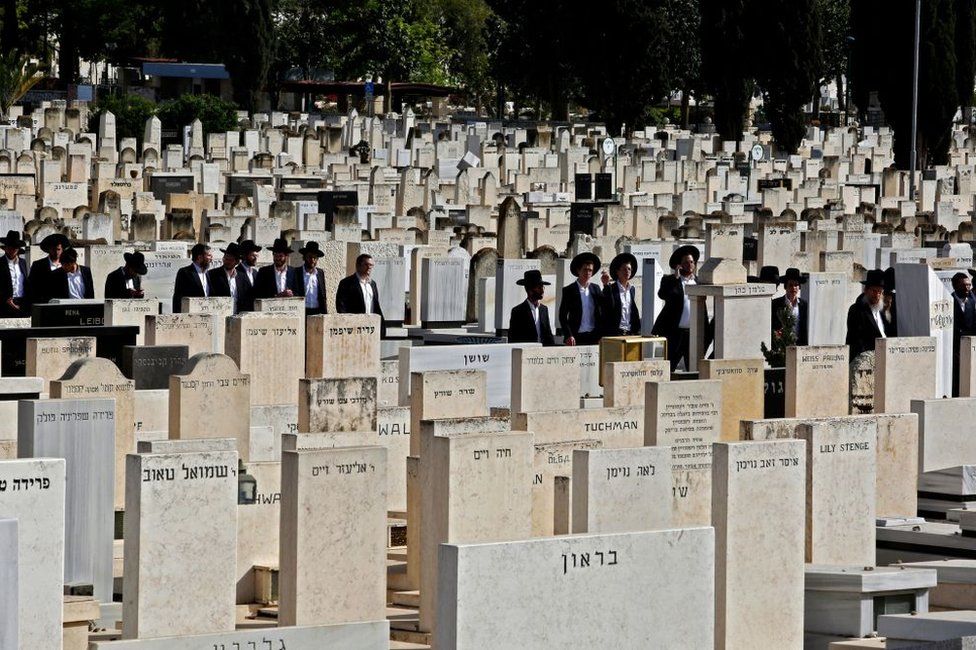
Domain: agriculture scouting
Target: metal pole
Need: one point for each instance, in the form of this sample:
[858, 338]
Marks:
[914, 156]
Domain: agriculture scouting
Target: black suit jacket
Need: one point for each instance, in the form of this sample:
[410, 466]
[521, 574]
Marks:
[59, 284]
[245, 300]
[39, 281]
[775, 323]
[187, 286]
[115, 285]
[7, 290]
[264, 283]
[612, 308]
[521, 328]
[220, 286]
[571, 309]
[672, 292]
[349, 297]
[298, 285]
[862, 330]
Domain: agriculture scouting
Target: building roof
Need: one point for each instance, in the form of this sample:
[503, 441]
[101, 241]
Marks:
[185, 70]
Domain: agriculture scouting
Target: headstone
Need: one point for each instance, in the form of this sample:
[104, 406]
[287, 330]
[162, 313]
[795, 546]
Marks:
[569, 592]
[621, 490]
[333, 531]
[535, 371]
[33, 492]
[48, 358]
[624, 381]
[826, 296]
[210, 398]
[342, 345]
[131, 312]
[904, 370]
[841, 488]
[150, 366]
[9, 578]
[945, 432]
[445, 394]
[758, 557]
[271, 350]
[925, 309]
[816, 379]
[337, 404]
[742, 391]
[184, 588]
[368, 636]
[195, 331]
[686, 416]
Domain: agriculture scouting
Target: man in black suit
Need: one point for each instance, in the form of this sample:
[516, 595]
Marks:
[963, 321]
[71, 281]
[792, 301]
[13, 278]
[529, 322]
[248, 271]
[309, 281]
[39, 278]
[125, 282]
[191, 280]
[674, 321]
[358, 290]
[865, 323]
[228, 281]
[580, 310]
[274, 280]
[620, 314]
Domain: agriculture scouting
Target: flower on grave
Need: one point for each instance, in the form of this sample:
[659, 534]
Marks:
[782, 339]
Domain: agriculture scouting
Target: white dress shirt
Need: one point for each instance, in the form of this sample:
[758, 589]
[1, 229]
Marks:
[53, 264]
[16, 277]
[232, 281]
[311, 288]
[202, 274]
[587, 319]
[281, 278]
[366, 287]
[76, 286]
[685, 321]
[624, 306]
[534, 310]
[250, 272]
[879, 321]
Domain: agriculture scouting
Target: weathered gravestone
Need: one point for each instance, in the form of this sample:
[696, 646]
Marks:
[905, 370]
[337, 404]
[624, 381]
[271, 350]
[535, 374]
[742, 390]
[195, 331]
[49, 358]
[816, 378]
[210, 399]
[131, 312]
[150, 366]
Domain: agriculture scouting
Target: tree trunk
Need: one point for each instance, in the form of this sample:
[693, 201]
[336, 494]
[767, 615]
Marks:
[10, 35]
[68, 54]
[841, 97]
[685, 107]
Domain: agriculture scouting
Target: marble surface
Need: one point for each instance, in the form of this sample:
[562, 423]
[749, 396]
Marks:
[446, 394]
[347, 404]
[271, 349]
[374, 635]
[545, 379]
[9, 578]
[342, 345]
[621, 490]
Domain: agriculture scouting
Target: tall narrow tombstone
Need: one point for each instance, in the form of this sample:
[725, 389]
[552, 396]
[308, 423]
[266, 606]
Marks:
[475, 488]
[816, 379]
[211, 399]
[841, 484]
[742, 390]
[342, 345]
[624, 381]
[905, 369]
[218, 308]
[271, 350]
[10, 579]
[337, 404]
[83, 433]
[258, 526]
[550, 461]
[967, 366]
[584, 591]
[333, 523]
[925, 309]
[32, 491]
[827, 302]
[621, 490]
[686, 416]
[95, 378]
[48, 358]
[945, 437]
[180, 544]
[758, 506]
[535, 374]
[445, 394]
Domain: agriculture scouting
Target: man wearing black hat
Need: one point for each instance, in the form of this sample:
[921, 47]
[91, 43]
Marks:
[309, 281]
[619, 311]
[13, 278]
[864, 321]
[125, 282]
[71, 281]
[227, 281]
[248, 271]
[529, 321]
[580, 310]
[674, 321]
[274, 280]
[792, 302]
[39, 278]
[964, 320]
[191, 280]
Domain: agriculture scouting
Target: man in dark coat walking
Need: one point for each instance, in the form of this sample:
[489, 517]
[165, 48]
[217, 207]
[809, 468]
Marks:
[529, 321]
[581, 306]
[126, 282]
[865, 323]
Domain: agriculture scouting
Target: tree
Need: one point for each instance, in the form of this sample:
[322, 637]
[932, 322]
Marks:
[965, 46]
[17, 75]
[835, 22]
[789, 67]
[683, 50]
[727, 63]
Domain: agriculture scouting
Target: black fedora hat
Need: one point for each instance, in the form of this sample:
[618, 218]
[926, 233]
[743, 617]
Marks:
[620, 260]
[53, 240]
[233, 250]
[311, 248]
[767, 275]
[680, 252]
[581, 259]
[793, 274]
[875, 278]
[889, 278]
[280, 246]
[532, 278]
[137, 261]
[248, 246]
[13, 239]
